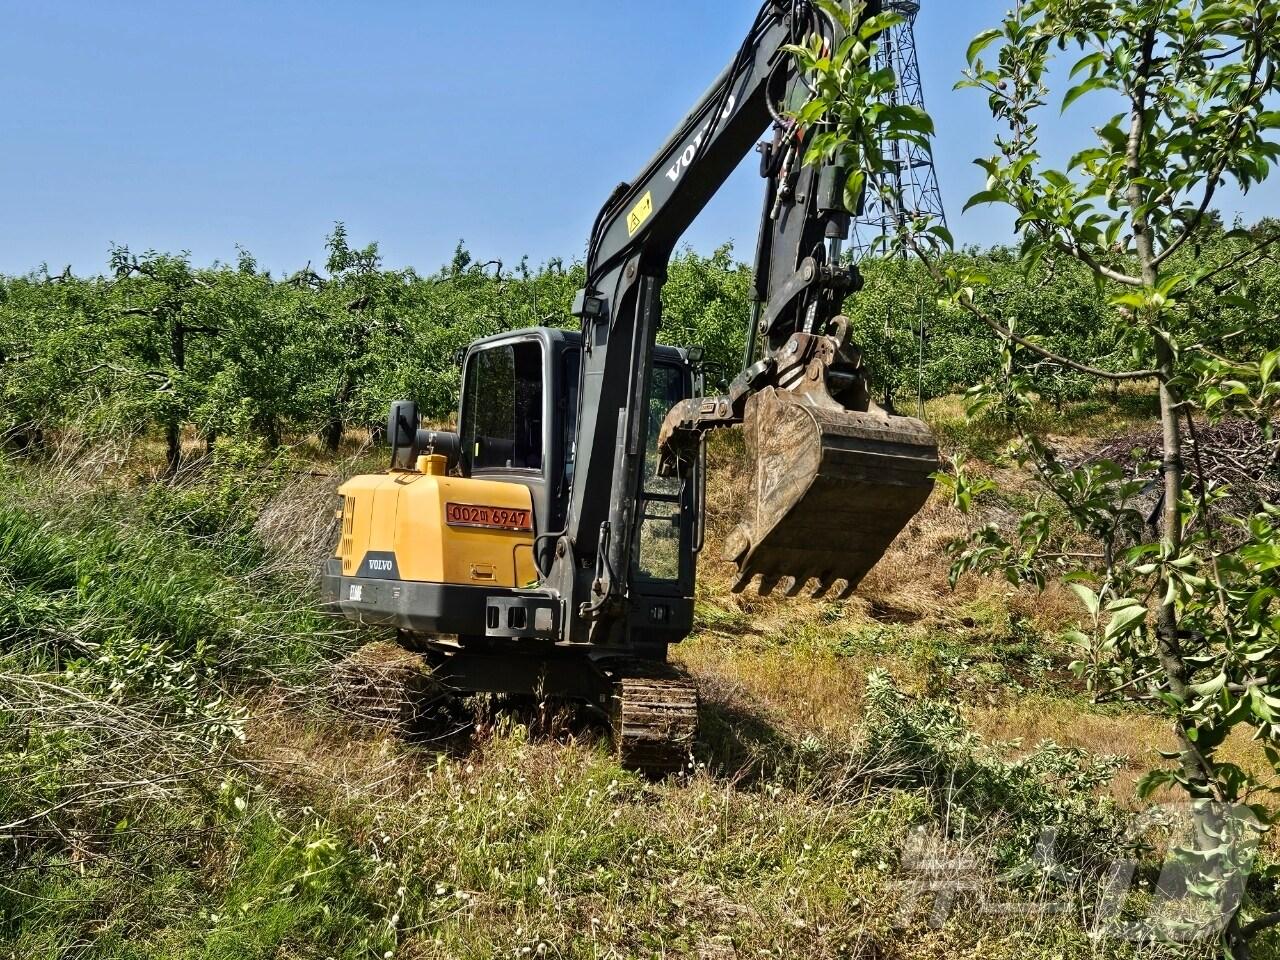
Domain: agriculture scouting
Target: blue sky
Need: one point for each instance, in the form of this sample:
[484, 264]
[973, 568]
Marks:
[200, 127]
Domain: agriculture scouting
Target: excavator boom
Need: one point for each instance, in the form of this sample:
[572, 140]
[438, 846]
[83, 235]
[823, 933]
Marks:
[834, 477]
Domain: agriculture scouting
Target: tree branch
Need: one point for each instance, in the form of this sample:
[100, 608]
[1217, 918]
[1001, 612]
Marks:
[1008, 334]
[1264, 922]
[1211, 182]
[1236, 260]
[1075, 250]
[306, 276]
[163, 382]
[1058, 358]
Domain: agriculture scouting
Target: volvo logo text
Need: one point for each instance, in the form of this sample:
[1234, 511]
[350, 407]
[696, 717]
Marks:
[690, 151]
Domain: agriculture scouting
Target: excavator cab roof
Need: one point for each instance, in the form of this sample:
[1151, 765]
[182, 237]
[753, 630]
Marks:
[569, 338]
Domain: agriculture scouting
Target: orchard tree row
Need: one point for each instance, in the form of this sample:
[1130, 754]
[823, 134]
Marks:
[157, 344]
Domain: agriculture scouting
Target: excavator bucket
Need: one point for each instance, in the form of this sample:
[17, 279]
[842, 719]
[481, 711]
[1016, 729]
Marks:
[831, 488]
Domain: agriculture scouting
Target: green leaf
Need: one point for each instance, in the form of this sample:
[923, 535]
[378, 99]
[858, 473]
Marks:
[943, 234]
[1153, 780]
[837, 12]
[1113, 135]
[1124, 619]
[1137, 301]
[1077, 638]
[812, 112]
[878, 24]
[980, 43]
[1267, 366]
[1091, 61]
[1058, 179]
[1210, 687]
[853, 189]
[1088, 156]
[1261, 709]
[1087, 597]
[985, 196]
[1078, 91]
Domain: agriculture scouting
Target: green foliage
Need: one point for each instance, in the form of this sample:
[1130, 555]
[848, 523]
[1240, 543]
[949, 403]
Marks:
[849, 103]
[926, 743]
[1179, 610]
[231, 354]
[706, 302]
[1199, 77]
[238, 358]
[1179, 605]
[900, 296]
[130, 607]
[130, 631]
[217, 500]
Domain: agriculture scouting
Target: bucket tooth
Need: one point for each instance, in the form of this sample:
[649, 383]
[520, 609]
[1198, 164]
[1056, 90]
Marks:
[796, 586]
[830, 489]
[824, 584]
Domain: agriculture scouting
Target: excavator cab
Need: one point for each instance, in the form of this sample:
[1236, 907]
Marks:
[518, 422]
[456, 539]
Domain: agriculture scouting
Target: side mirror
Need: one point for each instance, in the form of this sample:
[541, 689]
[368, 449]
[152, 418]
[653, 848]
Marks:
[402, 433]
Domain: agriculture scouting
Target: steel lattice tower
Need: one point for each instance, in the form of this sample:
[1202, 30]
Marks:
[911, 179]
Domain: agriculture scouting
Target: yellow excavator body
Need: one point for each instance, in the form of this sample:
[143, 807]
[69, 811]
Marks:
[423, 526]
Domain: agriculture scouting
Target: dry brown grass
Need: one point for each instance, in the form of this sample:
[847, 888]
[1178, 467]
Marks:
[798, 691]
[909, 583]
[769, 651]
[523, 845]
[911, 580]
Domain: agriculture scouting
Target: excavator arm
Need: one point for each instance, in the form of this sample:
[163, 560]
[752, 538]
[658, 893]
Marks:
[817, 441]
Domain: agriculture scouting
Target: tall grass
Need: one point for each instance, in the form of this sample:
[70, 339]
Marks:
[175, 783]
[128, 647]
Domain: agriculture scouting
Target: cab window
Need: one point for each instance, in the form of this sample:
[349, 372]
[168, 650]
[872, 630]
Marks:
[502, 407]
[658, 550]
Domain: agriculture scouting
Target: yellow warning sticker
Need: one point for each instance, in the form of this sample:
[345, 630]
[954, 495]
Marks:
[639, 213]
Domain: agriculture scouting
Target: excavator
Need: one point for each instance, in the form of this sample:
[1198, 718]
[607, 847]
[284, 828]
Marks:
[549, 545]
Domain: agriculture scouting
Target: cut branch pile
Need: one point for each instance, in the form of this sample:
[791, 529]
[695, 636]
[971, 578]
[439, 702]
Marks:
[1234, 453]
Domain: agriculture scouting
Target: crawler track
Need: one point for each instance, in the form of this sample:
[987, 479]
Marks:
[652, 706]
[384, 685]
[654, 713]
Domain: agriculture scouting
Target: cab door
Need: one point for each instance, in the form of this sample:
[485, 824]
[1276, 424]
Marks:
[666, 541]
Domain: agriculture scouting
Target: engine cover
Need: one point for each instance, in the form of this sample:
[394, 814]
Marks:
[427, 527]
